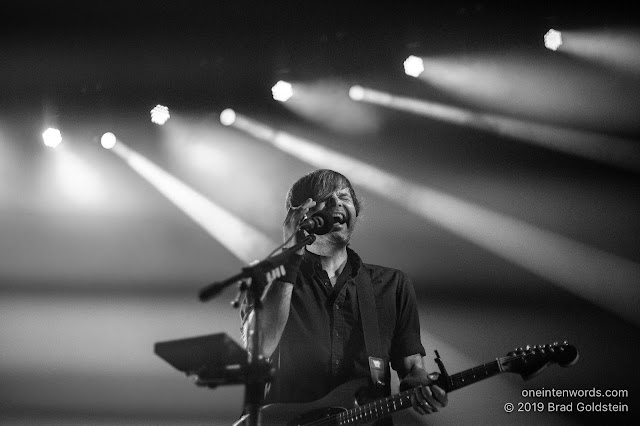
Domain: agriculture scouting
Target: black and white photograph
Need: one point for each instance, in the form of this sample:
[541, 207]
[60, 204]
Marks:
[307, 213]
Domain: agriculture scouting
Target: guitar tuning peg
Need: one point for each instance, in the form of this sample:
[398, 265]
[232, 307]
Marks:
[555, 343]
[528, 347]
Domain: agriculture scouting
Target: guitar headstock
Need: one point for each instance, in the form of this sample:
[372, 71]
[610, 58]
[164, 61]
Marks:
[529, 361]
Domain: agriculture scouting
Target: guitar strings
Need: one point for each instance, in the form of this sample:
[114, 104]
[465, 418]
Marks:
[334, 419]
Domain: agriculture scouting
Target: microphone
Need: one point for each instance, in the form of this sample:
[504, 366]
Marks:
[320, 223]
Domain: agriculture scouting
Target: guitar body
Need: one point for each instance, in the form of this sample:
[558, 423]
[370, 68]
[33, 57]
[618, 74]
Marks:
[328, 407]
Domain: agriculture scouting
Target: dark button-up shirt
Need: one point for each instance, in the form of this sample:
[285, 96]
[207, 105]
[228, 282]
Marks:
[322, 345]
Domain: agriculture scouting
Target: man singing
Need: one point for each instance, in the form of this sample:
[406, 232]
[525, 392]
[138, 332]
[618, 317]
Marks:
[321, 322]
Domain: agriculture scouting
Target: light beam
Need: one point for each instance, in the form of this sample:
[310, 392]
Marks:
[241, 239]
[614, 151]
[600, 277]
[615, 47]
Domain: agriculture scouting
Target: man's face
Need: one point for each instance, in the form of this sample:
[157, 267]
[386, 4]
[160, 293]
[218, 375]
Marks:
[340, 205]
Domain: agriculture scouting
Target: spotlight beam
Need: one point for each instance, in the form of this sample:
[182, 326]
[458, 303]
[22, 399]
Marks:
[242, 240]
[618, 48]
[605, 149]
[593, 274]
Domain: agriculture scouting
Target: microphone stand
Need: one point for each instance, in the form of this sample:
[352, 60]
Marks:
[258, 370]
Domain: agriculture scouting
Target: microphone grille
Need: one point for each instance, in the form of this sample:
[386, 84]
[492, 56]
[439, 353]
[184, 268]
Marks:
[324, 220]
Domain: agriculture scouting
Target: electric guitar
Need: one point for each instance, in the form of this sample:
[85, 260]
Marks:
[340, 406]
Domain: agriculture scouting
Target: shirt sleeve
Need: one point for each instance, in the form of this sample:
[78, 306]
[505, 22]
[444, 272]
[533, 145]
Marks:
[406, 337]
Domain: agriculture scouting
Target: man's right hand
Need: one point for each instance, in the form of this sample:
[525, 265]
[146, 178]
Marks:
[294, 216]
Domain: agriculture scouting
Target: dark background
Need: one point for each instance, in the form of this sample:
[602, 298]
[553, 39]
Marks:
[87, 289]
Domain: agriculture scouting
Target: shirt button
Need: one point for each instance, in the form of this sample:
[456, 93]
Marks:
[337, 362]
[337, 306]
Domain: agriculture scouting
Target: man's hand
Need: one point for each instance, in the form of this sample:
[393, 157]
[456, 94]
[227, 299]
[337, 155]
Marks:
[426, 396]
[294, 216]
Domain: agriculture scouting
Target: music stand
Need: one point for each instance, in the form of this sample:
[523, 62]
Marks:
[214, 359]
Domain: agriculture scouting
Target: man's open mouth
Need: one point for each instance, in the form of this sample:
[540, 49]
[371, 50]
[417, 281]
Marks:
[339, 217]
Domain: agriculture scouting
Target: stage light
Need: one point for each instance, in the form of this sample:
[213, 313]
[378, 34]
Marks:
[282, 91]
[356, 93]
[227, 117]
[52, 137]
[553, 39]
[160, 114]
[108, 140]
[413, 66]
[326, 102]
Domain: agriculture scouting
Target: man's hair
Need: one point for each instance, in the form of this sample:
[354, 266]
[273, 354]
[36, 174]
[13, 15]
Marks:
[319, 185]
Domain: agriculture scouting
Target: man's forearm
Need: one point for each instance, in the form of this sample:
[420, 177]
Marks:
[273, 317]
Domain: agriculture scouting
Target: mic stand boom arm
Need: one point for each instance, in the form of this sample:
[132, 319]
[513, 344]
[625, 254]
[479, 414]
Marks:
[258, 369]
[264, 266]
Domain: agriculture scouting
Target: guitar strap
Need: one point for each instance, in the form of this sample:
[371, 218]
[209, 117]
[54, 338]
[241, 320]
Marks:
[378, 362]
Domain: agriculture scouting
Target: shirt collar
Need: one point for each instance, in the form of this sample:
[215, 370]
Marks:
[311, 261]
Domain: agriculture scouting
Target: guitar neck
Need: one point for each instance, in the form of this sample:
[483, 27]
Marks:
[470, 376]
[391, 404]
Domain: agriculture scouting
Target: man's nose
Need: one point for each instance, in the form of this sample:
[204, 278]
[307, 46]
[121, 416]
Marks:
[334, 200]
